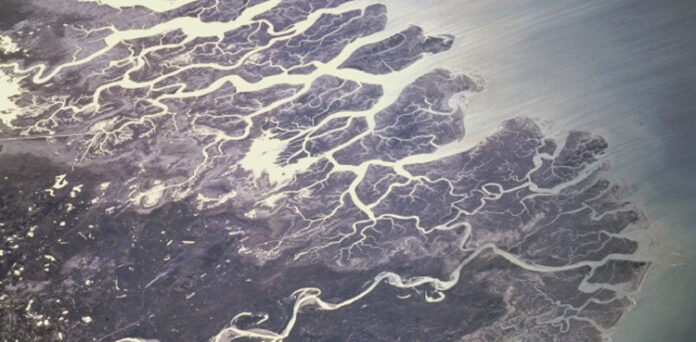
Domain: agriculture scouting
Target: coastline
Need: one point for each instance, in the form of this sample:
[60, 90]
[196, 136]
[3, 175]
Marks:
[586, 66]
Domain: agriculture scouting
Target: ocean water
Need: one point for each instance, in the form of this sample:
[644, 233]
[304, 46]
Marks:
[623, 69]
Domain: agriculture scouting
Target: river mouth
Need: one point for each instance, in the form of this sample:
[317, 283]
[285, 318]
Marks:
[268, 170]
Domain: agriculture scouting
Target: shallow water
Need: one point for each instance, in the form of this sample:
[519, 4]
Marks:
[619, 68]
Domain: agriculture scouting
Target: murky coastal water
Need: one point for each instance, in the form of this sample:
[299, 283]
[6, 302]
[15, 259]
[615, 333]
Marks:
[619, 68]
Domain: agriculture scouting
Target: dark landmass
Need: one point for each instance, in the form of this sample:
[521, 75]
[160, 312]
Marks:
[234, 185]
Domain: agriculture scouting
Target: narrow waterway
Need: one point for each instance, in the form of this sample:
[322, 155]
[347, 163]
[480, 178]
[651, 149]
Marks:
[618, 68]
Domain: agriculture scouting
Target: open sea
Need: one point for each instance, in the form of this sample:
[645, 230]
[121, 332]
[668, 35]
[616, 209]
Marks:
[623, 69]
